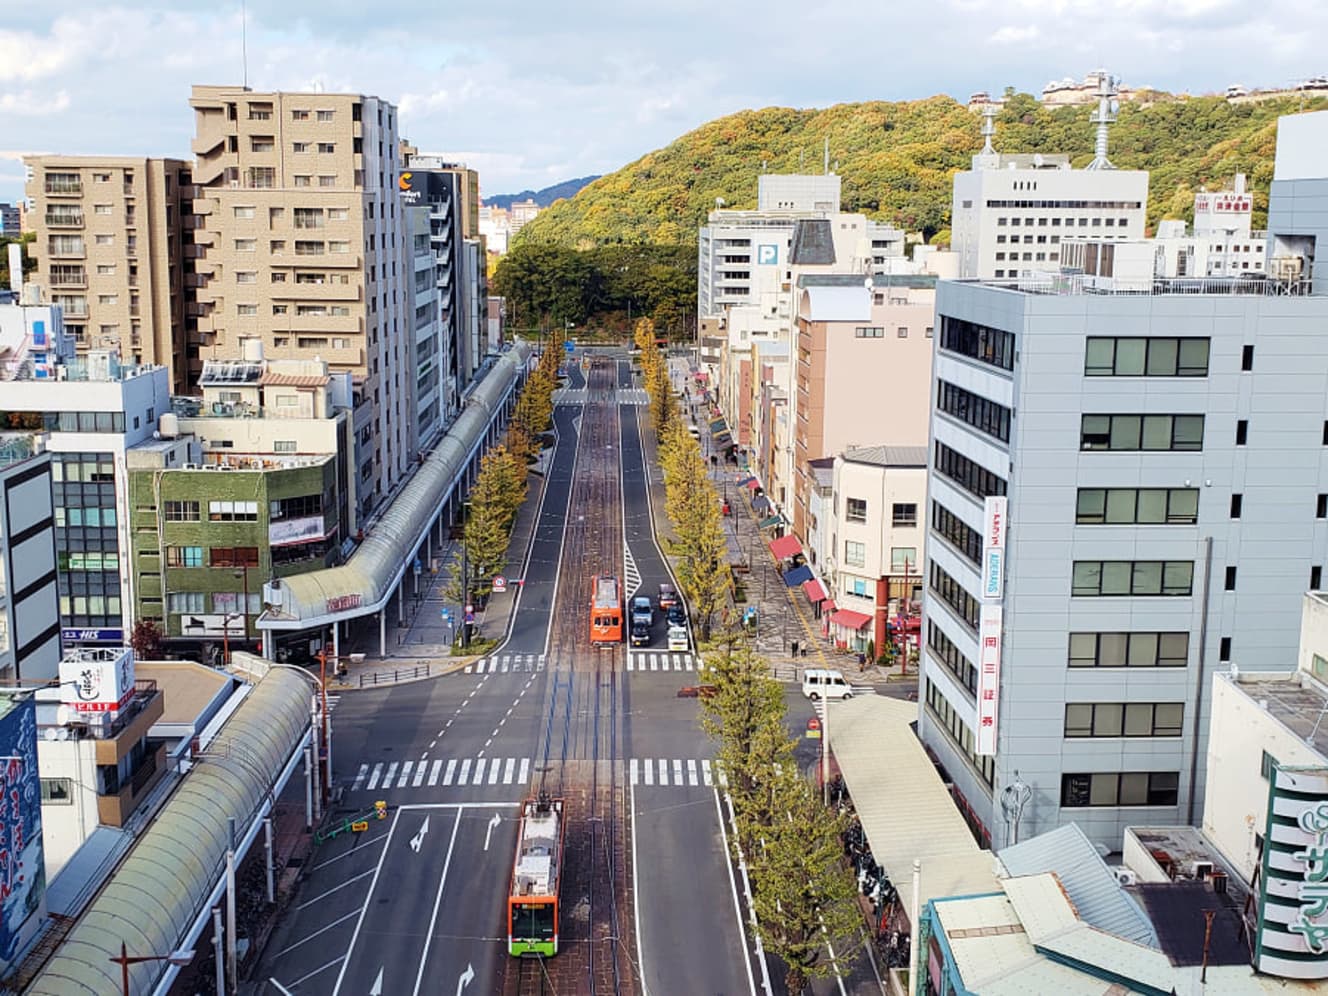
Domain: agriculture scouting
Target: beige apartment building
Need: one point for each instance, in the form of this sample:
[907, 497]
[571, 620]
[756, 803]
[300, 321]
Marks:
[110, 243]
[300, 244]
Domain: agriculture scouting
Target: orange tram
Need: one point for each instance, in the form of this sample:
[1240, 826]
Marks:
[532, 902]
[606, 610]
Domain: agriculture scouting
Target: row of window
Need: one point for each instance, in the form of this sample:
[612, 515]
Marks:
[299, 507]
[218, 556]
[75, 606]
[948, 720]
[1124, 719]
[1132, 577]
[1129, 649]
[1138, 356]
[1143, 506]
[1078, 205]
[973, 409]
[974, 478]
[1126, 788]
[959, 533]
[87, 560]
[978, 342]
[85, 517]
[955, 595]
[1142, 432]
[948, 654]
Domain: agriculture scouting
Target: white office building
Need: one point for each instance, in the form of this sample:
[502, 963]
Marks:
[1129, 492]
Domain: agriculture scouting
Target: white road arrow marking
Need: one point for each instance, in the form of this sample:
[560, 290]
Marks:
[418, 839]
[377, 988]
[489, 833]
[465, 978]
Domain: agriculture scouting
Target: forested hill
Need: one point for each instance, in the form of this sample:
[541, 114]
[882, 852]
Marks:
[543, 197]
[896, 160]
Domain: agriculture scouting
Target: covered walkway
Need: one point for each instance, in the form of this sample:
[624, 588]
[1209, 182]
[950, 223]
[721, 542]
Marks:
[407, 531]
[905, 810]
[160, 898]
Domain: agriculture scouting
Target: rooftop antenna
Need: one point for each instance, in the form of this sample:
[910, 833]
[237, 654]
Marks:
[989, 112]
[826, 163]
[244, 46]
[1107, 109]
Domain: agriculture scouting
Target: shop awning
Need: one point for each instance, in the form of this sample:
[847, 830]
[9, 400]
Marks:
[753, 483]
[719, 425]
[785, 547]
[850, 619]
[797, 576]
[815, 591]
[744, 479]
[773, 520]
[827, 607]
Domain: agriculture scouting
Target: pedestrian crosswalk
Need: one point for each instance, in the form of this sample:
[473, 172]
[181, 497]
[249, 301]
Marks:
[675, 771]
[659, 660]
[569, 396]
[633, 396]
[462, 772]
[507, 663]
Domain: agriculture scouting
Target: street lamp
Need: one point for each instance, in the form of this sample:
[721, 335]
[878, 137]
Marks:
[124, 960]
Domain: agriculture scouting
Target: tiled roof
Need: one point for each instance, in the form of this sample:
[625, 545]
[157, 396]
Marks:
[294, 380]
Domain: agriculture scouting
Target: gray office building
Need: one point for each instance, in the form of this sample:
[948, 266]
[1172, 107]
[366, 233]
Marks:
[11, 220]
[1128, 492]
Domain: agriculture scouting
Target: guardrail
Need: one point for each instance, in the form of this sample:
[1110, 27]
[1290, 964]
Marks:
[392, 677]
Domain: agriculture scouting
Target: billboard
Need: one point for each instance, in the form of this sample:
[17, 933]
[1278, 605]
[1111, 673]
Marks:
[989, 678]
[995, 521]
[22, 865]
[287, 532]
[1292, 937]
[1223, 203]
[97, 680]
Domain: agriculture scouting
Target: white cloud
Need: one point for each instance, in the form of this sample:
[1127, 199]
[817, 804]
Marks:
[1011, 35]
[34, 103]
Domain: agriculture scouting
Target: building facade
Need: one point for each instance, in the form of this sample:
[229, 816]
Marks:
[11, 220]
[111, 250]
[29, 601]
[1126, 495]
[301, 243]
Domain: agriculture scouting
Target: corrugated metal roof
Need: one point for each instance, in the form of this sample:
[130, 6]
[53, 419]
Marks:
[1088, 881]
[270, 379]
[888, 456]
[905, 810]
[162, 885]
[374, 569]
[1107, 952]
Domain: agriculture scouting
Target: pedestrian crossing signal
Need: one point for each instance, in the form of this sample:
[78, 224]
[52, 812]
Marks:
[380, 809]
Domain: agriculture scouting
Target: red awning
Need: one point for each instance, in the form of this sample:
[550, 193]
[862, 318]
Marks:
[850, 619]
[815, 590]
[753, 484]
[828, 606]
[786, 546]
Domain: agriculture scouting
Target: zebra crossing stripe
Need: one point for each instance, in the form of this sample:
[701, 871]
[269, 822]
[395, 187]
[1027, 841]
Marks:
[434, 771]
[503, 668]
[465, 770]
[479, 772]
[420, 771]
[633, 771]
[451, 769]
[525, 770]
[359, 778]
[705, 772]
[405, 774]
[654, 664]
[631, 663]
[391, 773]
[507, 771]
[650, 772]
[493, 772]
[663, 771]
[691, 772]
[677, 771]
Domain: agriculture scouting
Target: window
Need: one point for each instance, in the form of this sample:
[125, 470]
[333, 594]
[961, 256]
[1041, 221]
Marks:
[180, 511]
[902, 332]
[986, 416]
[961, 536]
[101, 240]
[246, 277]
[325, 115]
[300, 146]
[303, 180]
[856, 509]
[308, 248]
[327, 179]
[284, 446]
[1319, 667]
[903, 513]
[972, 477]
[949, 721]
[1129, 649]
[1142, 432]
[245, 245]
[186, 601]
[184, 556]
[955, 595]
[1242, 431]
[327, 148]
[855, 554]
[1321, 507]
[1134, 788]
[308, 217]
[1267, 762]
[233, 511]
[340, 247]
[1143, 506]
[246, 309]
[57, 791]
[1316, 577]
[1123, 719]
[1145, 357]
[944, 650]
[243, 211]
[1247, 357]
[1112, 578]
[1224, 649]
[869, 332]
[233, 603]
[337, 214]
[233, 556]
[299, 115]
[1229, 580]
[978, 342]
[1236, 502]
[903, 559]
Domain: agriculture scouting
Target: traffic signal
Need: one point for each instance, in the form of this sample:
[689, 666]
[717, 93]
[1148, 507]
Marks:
[380, 809]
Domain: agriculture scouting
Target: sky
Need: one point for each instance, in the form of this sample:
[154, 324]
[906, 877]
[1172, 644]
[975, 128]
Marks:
[531, 94]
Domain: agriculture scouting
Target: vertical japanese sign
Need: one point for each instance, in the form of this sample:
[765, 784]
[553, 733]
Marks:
[994, 521]
[22, 866]
[1292, 940]
[989, 677]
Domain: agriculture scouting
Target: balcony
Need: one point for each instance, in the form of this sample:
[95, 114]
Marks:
[64, 219]
[69, 278]
[69, 250]
[114, 810]
[350, 292]
[64, 186]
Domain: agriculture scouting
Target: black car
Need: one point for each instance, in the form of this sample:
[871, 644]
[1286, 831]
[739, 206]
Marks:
[677, 615]
[640, 634]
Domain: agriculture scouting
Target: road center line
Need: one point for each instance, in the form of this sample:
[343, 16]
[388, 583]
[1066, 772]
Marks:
[433, 920]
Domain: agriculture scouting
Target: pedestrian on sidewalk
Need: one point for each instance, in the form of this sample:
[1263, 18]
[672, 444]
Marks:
[862, 662]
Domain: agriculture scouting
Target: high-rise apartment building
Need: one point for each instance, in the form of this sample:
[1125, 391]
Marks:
[110, 250]
[1128, 493]
[11, 219]
[302, 244]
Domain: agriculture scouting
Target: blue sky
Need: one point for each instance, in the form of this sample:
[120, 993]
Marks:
[530, 94]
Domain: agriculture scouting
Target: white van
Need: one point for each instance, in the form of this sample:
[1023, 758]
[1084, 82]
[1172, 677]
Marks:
[678, 637]
[825, 683]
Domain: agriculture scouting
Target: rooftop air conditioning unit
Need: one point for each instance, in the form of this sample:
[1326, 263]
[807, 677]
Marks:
[1125, 876]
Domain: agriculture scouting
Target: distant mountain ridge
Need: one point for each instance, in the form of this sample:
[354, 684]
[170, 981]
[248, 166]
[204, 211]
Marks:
[545, 197]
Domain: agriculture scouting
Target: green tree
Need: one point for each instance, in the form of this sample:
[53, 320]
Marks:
[803, 896]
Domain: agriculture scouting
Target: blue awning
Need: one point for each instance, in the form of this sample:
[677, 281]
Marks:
[797, 576]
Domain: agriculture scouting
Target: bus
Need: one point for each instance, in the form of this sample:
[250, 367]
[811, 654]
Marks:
[606, 610]
[532, 903]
